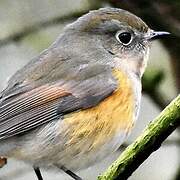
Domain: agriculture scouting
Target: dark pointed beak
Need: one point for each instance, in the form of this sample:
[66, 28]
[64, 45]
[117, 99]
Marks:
[157, 34]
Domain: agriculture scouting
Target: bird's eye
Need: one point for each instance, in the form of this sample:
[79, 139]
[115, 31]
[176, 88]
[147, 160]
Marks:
[124, 37]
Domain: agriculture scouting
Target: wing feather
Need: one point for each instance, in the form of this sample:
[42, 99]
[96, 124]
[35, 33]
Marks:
[29, 102]
[29, 119]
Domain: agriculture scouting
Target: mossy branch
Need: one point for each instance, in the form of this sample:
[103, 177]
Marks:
[150, 140]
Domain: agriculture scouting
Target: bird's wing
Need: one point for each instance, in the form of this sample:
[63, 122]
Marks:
[24, 107]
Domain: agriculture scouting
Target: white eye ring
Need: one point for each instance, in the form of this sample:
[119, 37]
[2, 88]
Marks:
[124, 37]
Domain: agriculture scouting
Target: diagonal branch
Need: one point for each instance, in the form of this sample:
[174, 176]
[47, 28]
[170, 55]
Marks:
[150, 140]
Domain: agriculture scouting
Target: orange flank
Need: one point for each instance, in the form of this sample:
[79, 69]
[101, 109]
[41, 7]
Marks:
[99, 124]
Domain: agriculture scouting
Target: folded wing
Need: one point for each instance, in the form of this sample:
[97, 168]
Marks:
[26, 110]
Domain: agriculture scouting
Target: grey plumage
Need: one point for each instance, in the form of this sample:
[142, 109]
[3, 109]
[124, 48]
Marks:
[28, 109]
[73, 74]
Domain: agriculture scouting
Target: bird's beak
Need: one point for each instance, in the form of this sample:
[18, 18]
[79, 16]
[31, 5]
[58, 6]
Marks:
[157, 34]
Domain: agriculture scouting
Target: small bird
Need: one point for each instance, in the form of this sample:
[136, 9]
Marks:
[76, 102]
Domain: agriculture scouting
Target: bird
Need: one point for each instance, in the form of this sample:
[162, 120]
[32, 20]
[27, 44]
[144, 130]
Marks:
[78, 100]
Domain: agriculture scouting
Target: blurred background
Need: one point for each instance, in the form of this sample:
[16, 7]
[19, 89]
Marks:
[29, 26]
